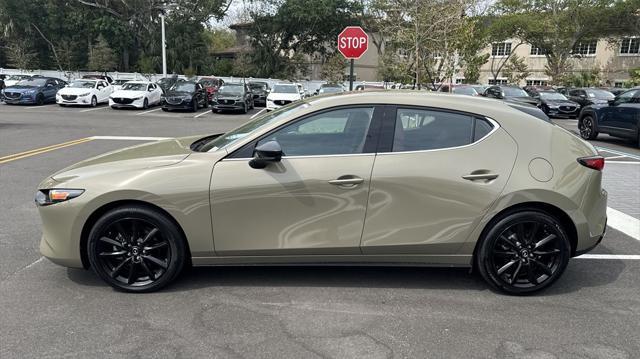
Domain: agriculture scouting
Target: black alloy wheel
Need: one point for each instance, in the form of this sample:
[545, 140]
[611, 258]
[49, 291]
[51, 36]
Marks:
[94, 101]
[524, 252]
[587, 128]
[39, 100]
[136, 249]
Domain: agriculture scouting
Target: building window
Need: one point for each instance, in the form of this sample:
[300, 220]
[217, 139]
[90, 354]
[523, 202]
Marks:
[501, 49]
[630, 45]
[537, 83]
[536, 51]
[585, 48]
[459, 81]
[498, 82]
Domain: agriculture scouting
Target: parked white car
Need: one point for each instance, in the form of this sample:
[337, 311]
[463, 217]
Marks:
[117, 84]
[84, 92]
[136, 94]
[11, 80]
[283, 94]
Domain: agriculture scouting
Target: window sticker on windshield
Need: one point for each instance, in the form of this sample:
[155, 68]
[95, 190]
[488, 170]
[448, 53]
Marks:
[592, 94]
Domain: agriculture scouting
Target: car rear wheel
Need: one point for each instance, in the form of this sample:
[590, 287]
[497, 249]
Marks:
[136, 249]
[587, 128]
[523, 252]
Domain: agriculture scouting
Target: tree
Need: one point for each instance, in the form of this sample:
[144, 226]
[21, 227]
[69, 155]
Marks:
[557, 26]
[473, 38]
[516, 70]
[21, 56]
[101, 56]
[333, 69]
[583, 78]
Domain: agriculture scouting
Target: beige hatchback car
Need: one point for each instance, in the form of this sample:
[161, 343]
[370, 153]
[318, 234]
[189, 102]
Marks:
[390, 178]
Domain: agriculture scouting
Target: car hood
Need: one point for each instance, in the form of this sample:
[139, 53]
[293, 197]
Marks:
[284, 96]
[228, 97]
[178, 94]
[148, 155]
[127, 93]
[20, 89]
[524, 99]
[73, 91]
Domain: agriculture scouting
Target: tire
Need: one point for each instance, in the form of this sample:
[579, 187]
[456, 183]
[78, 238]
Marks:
[244, 108]
[94, 101]
[523, 252]
[117, 253]
[195, 105]
[165, 109]
[145, 104]
[587, 128]
[40, 100]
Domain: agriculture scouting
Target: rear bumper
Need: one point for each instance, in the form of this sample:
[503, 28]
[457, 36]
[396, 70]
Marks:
[597, 242]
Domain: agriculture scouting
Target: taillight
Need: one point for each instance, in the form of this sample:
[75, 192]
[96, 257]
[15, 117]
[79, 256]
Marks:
[593, 162]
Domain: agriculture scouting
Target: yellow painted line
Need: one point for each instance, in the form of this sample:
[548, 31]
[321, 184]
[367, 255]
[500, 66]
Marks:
[37, 151]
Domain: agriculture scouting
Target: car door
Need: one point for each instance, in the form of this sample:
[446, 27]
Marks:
[311, 202]
[101, 90]
[436, 174]
[50, 89]
[578, 96]
[157, 93]
[621, 114]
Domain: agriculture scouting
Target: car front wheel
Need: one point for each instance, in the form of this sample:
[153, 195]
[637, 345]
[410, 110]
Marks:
[523, 252]
[136, 249]
[587, 128]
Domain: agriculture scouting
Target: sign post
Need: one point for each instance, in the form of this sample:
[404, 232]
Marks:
[353, 42]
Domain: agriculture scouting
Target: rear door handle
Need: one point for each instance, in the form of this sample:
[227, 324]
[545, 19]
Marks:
[480, 176]
[346, 181]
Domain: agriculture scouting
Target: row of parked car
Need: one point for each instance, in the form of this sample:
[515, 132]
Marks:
[597, 110]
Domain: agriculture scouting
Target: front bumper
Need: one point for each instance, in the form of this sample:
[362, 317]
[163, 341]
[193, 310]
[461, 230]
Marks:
[22, 100]
[85, 100]
[561, 114]
[135, 104]
[223, 107]
[184, 105]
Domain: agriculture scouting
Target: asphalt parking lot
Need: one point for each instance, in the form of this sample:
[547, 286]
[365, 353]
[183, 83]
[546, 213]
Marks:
[593, 311]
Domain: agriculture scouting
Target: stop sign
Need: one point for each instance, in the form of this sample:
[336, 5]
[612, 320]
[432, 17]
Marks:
[353, 42]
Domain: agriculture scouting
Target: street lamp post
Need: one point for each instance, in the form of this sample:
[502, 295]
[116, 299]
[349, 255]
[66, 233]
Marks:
[164, 48]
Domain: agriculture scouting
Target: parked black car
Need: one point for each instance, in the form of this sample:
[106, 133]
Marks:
[620, 117]
[184, 95]
[260, 91]
[35, 90]
[533, 90]
[590, 96]
[512, 93]
[165, 83]
[555, 104]
[232, 97]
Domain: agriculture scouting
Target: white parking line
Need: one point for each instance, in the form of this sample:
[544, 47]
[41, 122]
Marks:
[616, 152]
[259, 112]
[624, 223]
[129, 138]
[609, 256]
[94, 109]
[32, 107]
[155, 109]
[200, 114]
[625, 162]
[614, 158]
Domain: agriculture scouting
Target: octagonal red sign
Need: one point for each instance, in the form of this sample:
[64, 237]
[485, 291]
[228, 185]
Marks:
[353, 42]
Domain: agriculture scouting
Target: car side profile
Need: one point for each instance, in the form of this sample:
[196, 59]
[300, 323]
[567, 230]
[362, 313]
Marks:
[620, 117]
[590, 96]
[84, 92]
[389, 178]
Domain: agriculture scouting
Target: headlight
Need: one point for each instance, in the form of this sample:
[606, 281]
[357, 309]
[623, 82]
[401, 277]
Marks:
[45, 197]
[30, 92]
[138, 98]
[84, 94]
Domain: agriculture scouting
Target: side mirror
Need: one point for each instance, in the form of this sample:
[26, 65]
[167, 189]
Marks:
[582, 96]
[499, 95]
[266, 153]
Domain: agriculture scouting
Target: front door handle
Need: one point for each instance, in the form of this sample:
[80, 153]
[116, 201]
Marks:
[480, 176]
[346, 181]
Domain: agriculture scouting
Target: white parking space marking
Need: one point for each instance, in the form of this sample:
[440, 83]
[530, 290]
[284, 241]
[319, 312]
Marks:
[616, 152]
[615, 158]
[201, 114]
[129, 138]
[624, 162]
[94, 109]
[624, 223]
[259, 112]
[609, 256]
[145, 112]
[32, 107]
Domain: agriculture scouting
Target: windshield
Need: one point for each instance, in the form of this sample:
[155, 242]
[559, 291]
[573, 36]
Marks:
[230, 90]
[465, 90]
[285, 89]
[552, 96]
[32, 82]
[134, 87]
[514, 92]
[242, 131]
[83, 84]
[119, 82]
[258, 86]
[17, 77]
[184, 87]
[593, 93]
[330, 90]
